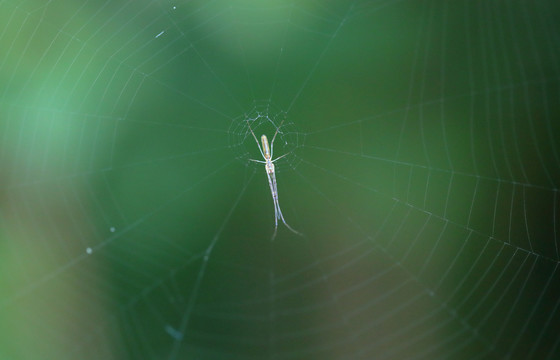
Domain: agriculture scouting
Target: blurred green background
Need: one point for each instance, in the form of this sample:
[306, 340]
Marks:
[422, 169]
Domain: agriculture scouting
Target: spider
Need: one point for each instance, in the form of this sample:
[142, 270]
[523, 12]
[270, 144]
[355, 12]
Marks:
[266, 152]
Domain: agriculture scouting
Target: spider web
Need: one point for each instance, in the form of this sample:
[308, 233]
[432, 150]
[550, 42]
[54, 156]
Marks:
[422, 169]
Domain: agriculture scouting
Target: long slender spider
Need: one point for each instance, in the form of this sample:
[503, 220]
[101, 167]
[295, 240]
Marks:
[267, 153]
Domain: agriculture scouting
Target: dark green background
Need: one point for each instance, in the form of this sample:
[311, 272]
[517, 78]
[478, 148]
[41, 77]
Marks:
[422, 169]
